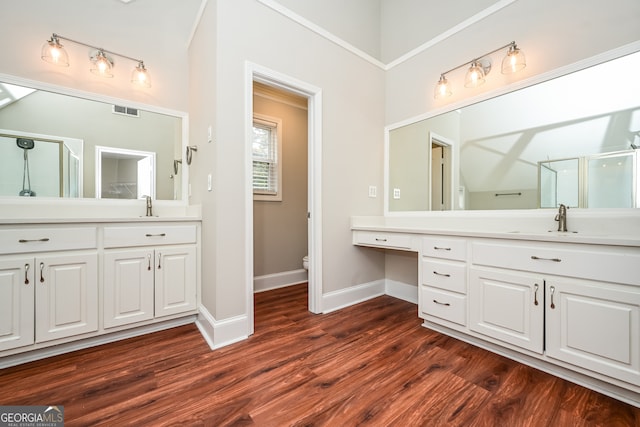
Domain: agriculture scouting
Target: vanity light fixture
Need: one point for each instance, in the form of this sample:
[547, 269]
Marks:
[101, 63]
[480, 67]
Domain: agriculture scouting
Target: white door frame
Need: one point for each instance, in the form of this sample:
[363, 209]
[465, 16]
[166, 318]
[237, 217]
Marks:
[255, 72]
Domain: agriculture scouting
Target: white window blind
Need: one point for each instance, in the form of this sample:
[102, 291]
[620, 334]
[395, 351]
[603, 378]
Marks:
[266, 159]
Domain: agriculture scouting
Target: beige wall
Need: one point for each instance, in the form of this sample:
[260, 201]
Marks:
[280, 227]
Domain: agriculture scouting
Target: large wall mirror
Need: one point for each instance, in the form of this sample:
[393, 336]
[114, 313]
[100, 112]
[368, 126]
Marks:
[58, 145]
[573, 140]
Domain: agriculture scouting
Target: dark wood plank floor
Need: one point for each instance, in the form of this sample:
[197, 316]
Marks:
[371, 364]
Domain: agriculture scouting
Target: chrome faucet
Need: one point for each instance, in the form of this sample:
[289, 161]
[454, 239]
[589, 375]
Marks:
[149, 206]
[561, 217]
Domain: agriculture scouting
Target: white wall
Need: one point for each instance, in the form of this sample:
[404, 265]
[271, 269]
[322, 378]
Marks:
[552, 34]
[352, 138]
[127, 29]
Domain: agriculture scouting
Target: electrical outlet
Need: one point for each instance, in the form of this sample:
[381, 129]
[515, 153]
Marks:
[373, 191]
[396, 193]
[209, 183]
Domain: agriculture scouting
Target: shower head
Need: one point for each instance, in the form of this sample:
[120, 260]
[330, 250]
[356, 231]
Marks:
[25, 143]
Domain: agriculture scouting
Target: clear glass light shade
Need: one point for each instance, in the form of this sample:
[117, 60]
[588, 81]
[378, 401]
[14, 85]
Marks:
[475, 75]
[443, 88]
[101, 65]
[54, 53]
[140, 76]
[514, 61]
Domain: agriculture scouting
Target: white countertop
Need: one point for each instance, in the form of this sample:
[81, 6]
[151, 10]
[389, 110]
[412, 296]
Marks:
[512, 230]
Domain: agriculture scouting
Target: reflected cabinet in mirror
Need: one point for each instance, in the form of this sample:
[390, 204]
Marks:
[85, 148]
[571, 140]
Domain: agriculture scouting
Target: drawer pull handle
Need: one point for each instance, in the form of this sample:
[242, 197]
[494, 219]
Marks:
[546, 259]
[42, 272]
[437, 248]
[441, 274]
[380, 240]
[441, 303]
[535, 294]
[156, 235]
[553, 290]
[26, 274]
[44, 239]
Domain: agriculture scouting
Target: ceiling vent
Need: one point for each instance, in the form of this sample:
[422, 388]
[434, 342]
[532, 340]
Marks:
[126, 111]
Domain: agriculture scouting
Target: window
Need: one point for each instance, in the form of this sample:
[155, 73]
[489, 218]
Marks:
[267, 158]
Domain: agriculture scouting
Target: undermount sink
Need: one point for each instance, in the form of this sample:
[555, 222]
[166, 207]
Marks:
[547, 233]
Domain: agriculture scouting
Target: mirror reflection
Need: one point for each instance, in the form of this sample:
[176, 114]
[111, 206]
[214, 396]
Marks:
[572, 140]
[69, 131]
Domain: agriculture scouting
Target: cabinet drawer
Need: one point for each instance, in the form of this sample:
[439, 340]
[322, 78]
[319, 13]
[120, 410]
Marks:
[444, 305]
[447, 275]
[609, 264]
[119, 237]
[444, 247]
[35, 239]
[382, 239]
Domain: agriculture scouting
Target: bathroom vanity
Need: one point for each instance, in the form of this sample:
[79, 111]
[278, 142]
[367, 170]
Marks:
[72, 283]
[567, 303]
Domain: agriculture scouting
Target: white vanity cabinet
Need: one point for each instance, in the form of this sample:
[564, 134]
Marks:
[149, 272]
[595, 326]
[48, 284]
[442, 296]
[578, 303]
[507, 306]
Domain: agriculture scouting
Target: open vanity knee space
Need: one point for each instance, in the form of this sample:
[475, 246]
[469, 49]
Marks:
[566, 304]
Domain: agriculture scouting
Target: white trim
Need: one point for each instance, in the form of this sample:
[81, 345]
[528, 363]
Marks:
[268, 282]
[451, 31]
[221, 333]
[400, 290]
[255, 72]
[196, 22]
[277, 7]
[19, 358]
[342, 298]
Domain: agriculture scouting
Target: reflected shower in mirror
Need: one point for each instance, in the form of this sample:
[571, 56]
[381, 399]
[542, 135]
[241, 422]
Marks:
[36, 165]
[513, 151]
[26, 111]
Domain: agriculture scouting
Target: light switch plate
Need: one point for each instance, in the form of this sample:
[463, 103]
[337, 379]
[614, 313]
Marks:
[396, 193]
[373, 191]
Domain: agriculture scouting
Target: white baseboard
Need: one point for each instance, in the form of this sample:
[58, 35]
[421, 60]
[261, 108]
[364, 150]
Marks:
[401, 291]
[279, 280]
[336, 300]
[220, 333]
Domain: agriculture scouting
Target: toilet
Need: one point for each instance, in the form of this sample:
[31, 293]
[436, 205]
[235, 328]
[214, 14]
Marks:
[305, 262]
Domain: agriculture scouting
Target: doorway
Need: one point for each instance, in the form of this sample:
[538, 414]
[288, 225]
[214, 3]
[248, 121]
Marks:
[279, 81]
[441, 173]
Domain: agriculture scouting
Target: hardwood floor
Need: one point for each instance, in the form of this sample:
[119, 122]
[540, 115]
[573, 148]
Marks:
[370, 364]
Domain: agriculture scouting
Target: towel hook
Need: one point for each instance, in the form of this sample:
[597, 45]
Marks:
[190, 150]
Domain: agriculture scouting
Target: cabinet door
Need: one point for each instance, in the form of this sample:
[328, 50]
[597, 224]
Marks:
[508, 307]
[66, 295]
[175, 288]
[16, 303]
[595, 326]
[128, 287]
